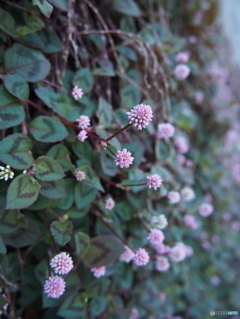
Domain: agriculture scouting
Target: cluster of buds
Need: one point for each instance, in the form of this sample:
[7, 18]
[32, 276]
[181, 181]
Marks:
[6, 173]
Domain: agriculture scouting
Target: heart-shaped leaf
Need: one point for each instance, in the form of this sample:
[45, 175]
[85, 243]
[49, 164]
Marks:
[84, 79]
[61, 231]
[22, 192]
[15, 151]
[82, 242]
[103, 250]
[45, 7]
[10, 220]
[47, 169]
[84, 195]
[16, 86]
[54, 189]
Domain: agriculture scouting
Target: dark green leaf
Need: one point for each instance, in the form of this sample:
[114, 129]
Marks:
[73, 307]
[124, 210]
[60, 4]
[103, 250]
[51, 41]
[127, 52]
[30, 64]
[47, 169]
[128, 7]
[130, 96]
[10, 220]
[61, 231]
[7, 23]
[47, 129]
[33, 24]
[98, 305]
[59, 103]
[41, 202]
[103, 72]
[82, 242]
[108, 165]
[22, 192]
[16, 86]
[45, 7]
[84, 79]
[84, 195]
[15, 151]
[23, 236]
[83, 151]
[61, 154]
[66, 202]
[53, 190]
[104, 112]
[91, 178]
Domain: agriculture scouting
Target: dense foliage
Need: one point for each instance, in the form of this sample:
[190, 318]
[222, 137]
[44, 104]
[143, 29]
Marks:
[60, 187]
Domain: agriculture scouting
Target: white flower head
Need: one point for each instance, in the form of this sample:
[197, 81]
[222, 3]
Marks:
[6, 173]
[159, 222]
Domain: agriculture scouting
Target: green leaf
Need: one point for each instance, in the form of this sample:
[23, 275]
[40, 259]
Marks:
[108, 165]
[127, 52]
[124, 210]
[128, 7]
[61, 154]
[16, 86]
[103, 72]
[59, 103]
[33, 24]
[130, 96]
[46, 129]
[47, 169]
[82, 242]
[30, 64]
[23, 236]
[7, 23]
[103, 250]
[2, 251]
[11, 112]
[61, 231]
[22, 192]
[41, 202]
[10, 220]
[45, 7]
[98, 305]
[66, 202]
[53, 190]
[84, 195]
[15, 151]
[91, 178]
[83, 151]
[73, 307]
[60, 4]
[51, 41]
[104, 112]
[84, 79]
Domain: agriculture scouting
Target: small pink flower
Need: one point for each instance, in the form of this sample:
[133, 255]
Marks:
[154, 181]
[189, 221]
[124, 158]
[162, 264]
[155, 237]
[163, 249]
[141, 257]
[82, 135]
[181, 145]
[134, 313]
[199, 97]
[99, 271]
[215, 239]
[62, 263]
[77, 92]
[83, 122]
[192, 39]
[140, 116]
[178, 252]
[127, 255]
[189, 250]
[54, 287]
[182, 57]
[206, 245]
[205, 209]
[80, 175]
[181, 72]
[189, 163]
[187, 194]
[215, 280]
[174, 197]
[109, 204]
[165, 130]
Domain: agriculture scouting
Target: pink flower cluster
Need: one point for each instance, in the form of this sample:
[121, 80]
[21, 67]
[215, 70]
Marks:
[124, 158]
[54, 287]
[80, 175]
[83, 122]
[163, 249]
[141, 257]
[77, 92]
[154, 181]
[174, 197]
[180, 251]
[181, 72]
[183, 57]
[190, 222]
[181, 145]
[205, 209]
[134, 313]
[127, 255]
[62, 263]
[155, 237]
[165, 130]
[98, 271]
[82, 135]
[109, 204]
[140, 116]
[162, 263]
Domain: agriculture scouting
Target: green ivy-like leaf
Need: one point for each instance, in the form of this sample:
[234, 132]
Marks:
[10, 220]
[47, 169]
[104, 112]
[60, 4]
[84, 79]
[84, 195]
[73, 307]
[103, 250]
[59, 103]
[108, 165]
[98, 305]
[16, 86]
[61, 231]
[82, 242]
[91, 178]
[33, 24]
[130, 96]
[103, 72]
[30, 64]
[7, 23]
[54, 189]
[51, 41]
[47, 129]
[60, 153]
[15, 151]
[45, 7]
[22, 192]
[128, 7]
[66, 202]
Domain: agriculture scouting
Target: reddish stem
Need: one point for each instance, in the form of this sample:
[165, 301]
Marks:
[38, 107]
[57, 86]
[118, 132]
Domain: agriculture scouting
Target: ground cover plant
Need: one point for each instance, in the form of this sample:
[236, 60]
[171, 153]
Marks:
[119, 168]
